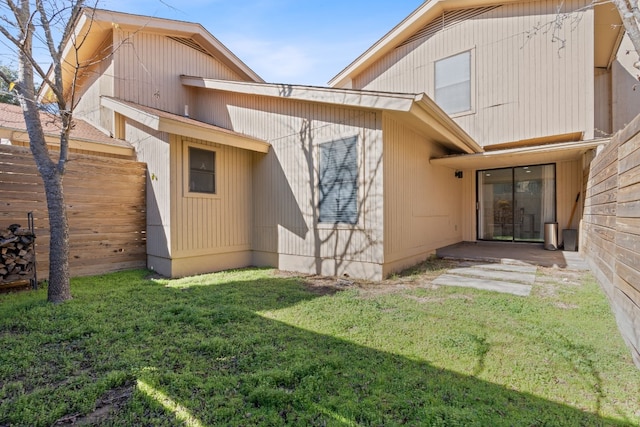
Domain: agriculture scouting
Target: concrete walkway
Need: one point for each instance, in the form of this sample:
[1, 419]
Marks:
[504, 278]
[503, 267]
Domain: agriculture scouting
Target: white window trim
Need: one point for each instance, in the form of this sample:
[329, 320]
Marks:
[186, 192]
[473, 88]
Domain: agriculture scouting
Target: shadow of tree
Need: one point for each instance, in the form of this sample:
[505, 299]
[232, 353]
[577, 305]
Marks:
[202, 355]
[207, 349]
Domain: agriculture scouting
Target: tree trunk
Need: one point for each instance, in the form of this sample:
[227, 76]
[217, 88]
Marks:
[59, 289]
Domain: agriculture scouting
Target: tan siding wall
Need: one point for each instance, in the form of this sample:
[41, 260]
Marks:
[148, 69]
[98, 80]
[105, 201]
[525, 87]
[626, 92]
[285, 181]
[204, 224]
[611, 228]
[153, 148]
[602, 111]
[568, 185]
[423, 206]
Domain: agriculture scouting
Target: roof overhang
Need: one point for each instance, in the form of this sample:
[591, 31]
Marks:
[522, 156]
[418, 109]
[607, 33]
[171, 123]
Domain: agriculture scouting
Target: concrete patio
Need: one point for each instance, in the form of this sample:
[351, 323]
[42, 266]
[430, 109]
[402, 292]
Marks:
[513, 253]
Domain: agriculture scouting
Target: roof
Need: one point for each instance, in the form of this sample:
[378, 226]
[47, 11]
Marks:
[608, 33]
[418, 109]
[179, 125]
[83, 135]
[520, 156]
[94, 27]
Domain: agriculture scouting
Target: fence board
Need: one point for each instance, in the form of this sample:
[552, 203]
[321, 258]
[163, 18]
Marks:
[612, 226]
[106, 209]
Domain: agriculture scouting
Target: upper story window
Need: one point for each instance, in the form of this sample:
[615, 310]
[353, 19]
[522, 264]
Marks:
[339, 181]
[453, 83]
[202, 171]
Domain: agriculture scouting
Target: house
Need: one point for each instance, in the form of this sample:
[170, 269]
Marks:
[468, 121]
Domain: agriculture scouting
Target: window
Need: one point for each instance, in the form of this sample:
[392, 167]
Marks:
[339, 181]
[202, 171]
[453, 83]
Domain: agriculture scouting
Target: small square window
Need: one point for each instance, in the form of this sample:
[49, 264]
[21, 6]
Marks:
[453, 83]
[202, 171]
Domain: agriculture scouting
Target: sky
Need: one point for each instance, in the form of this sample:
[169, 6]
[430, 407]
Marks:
[303, 42]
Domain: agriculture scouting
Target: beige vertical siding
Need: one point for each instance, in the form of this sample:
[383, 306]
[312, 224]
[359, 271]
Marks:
[96, 81]
[152, 148]
[568, 185]
[211, 224]
[602, 111]
[148, 69]
[423, 203]
[625, 87]
[286, 228]
[526, 86]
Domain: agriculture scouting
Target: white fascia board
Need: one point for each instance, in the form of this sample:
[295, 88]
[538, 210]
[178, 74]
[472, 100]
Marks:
[149, 120]
[194, 130]
[342, 97]
[519, 156]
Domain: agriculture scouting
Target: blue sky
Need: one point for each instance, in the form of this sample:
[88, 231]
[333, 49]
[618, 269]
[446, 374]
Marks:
[285, 41]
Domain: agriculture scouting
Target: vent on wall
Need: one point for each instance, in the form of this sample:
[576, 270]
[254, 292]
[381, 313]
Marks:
[447, 20]
[191, 43]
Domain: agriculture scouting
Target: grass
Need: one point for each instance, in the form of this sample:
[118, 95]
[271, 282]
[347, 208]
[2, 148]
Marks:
[253, 348]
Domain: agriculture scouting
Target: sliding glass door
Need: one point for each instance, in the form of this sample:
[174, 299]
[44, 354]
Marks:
[514, 203]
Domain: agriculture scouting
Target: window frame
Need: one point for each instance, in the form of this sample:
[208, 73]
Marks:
[187, 192]
[332, 224]
[472, 82]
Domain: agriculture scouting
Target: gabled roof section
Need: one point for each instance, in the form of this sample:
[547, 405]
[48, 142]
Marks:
[83, 135]
[607, 33]
[92, 36]
[419, 107]
[163, 121]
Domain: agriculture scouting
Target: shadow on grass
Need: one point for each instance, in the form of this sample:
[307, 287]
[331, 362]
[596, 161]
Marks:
[200, 355]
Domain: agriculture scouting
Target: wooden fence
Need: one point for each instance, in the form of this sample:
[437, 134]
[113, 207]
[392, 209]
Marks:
[105, 200]
[611, 228]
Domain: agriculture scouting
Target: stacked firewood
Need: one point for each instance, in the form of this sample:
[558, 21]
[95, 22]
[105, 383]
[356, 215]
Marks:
[17, 254]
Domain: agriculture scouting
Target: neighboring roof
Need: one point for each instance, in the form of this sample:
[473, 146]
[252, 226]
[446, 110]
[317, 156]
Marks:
[522, 156]
[418, 108]
[608, 33]
[179, 125]
[83, 135]
[94, 27]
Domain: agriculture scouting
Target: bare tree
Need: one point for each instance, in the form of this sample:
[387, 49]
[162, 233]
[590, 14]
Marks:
[630, 15]
[47, 23]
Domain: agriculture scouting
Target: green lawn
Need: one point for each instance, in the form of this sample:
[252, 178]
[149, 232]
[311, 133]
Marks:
[254, 348]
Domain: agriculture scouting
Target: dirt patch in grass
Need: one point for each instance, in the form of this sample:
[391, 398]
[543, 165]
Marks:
[418, 276]
[109, 403]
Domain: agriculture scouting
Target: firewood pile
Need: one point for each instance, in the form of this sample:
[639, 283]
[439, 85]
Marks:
[17, 254]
